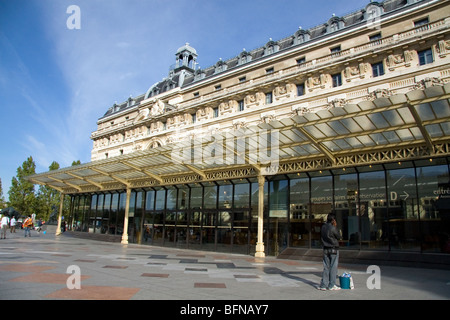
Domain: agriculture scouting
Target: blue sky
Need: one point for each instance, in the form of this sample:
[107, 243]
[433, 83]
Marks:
[56, 82]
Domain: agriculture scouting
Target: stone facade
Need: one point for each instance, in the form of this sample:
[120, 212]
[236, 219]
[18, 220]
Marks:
[387, 48]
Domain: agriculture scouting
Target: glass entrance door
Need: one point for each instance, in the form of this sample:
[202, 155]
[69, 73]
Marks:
[194, 231]
[224, 231]
[278, 216]
[209, 237]
[241, 232]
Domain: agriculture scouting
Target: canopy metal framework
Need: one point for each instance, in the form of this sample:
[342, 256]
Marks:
[390, 128]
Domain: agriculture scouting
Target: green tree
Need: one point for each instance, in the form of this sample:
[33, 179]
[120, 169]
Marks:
[47, 199]
[2, 199]
[21, 194]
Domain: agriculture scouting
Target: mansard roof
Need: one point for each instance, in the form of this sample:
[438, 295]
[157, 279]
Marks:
[175, 80]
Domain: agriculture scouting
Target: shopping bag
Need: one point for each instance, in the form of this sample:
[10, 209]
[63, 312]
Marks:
[346, 281]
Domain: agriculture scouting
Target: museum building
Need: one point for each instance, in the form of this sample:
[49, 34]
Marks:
[251, 154]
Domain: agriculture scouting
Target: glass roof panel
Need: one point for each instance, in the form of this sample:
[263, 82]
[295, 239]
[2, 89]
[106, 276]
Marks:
[416, 133]
[391, 137]
[301, 136]
[304, 151]
[326, 129]
[365, 123]
[434, 130]
[446, 128]
[425, 112]
[310, 149]
[342, 144]
[283, 138]
[378, 138]
[316, 133]
[393, 117]
[406, 115]
[330, 145]
[366, 140]
[351, 125]
[324, 114]
[294, 135]
[441, 108]
[354, 142]
[311, 116]
[405, 134]
[378, 120]
[338, 127]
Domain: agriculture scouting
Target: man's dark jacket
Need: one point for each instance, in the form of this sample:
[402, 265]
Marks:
[330, 236]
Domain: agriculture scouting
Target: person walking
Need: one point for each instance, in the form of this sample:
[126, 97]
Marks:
[27, 225]
[13, 225]
[4, 226]
[39, 228]
[330, 240]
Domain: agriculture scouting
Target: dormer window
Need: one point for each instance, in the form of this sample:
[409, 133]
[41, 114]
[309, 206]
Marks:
[301, 36]
[334, 27]
[220, 66]
[199, 74]
[335, 24]
[271, 47]
[244, 57]
[373, 12]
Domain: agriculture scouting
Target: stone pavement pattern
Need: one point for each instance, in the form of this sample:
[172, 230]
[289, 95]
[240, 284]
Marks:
[37, 268]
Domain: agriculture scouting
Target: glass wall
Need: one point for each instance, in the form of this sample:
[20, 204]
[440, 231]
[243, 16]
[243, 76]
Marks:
[433, 189]
[278, 215]
[299, 213]
[402, 206]
[346, 206]
[372, 214]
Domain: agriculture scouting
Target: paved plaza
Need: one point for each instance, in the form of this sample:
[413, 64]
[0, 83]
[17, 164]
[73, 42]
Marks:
[46, 267]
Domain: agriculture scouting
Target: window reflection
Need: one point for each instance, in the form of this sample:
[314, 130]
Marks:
[396, 206]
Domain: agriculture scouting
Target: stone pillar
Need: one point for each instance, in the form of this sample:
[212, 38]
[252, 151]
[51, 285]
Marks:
[125, 222]
[61, 205]
[260, 242]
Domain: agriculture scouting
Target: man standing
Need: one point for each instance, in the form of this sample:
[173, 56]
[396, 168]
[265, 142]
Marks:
[4, 226]
[330, 240]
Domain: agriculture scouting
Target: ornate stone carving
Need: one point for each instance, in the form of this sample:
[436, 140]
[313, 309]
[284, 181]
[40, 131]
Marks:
[240, 123]
[254, 99]
[284, 91]
[356, 72]
[443, 48]
[428, 82]
[158, 108]
[337, 103]
[267, 117]
[299, 111]
[379, 93]
[319, 82]
[395, 61]
[227, 107]
[204, 113]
